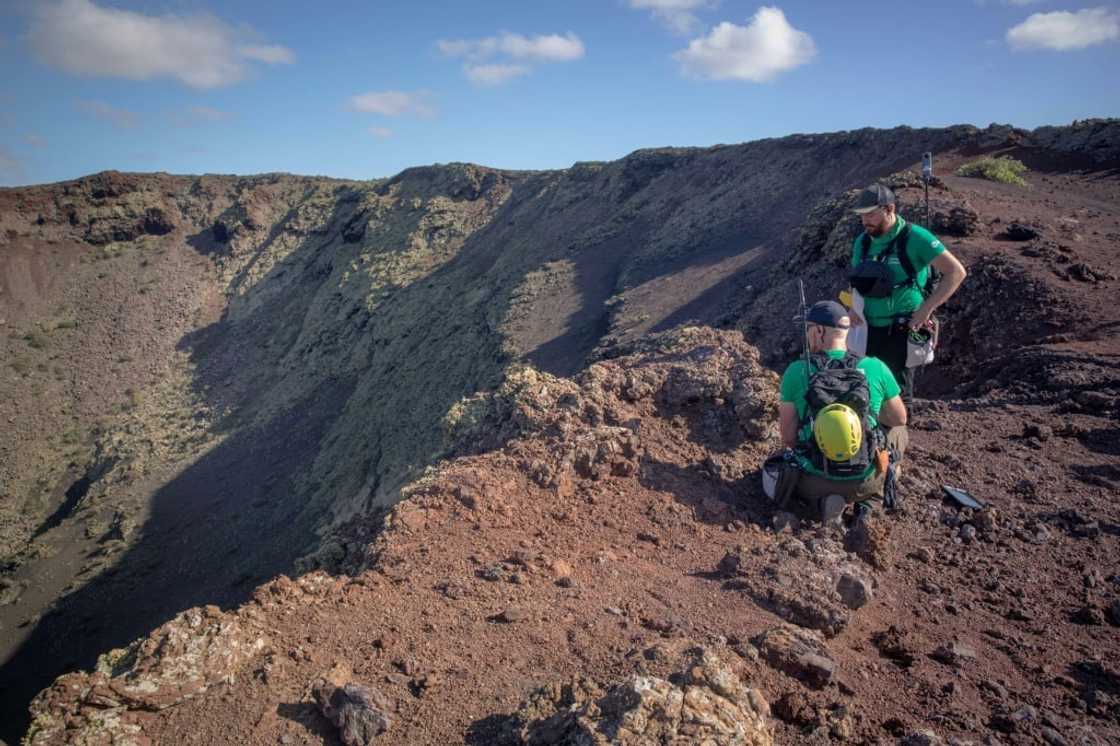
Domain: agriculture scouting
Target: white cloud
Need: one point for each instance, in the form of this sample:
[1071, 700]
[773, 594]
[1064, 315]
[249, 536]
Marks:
[514, 51]
[541, 48]
[199, 115]
[392, 103]
[985, 3]
[272, 54]
[35, 141]
[81, 37]
[120, 118]
[546, 48]
[676, 15]
[380, 132]
[1063, 31]
[494, 74]
[759, 51]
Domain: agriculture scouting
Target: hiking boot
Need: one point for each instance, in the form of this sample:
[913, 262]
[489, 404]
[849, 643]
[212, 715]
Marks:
[832, 507]
[858, 534]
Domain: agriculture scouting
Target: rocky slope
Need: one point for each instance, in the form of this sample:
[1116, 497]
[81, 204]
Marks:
[273, 358]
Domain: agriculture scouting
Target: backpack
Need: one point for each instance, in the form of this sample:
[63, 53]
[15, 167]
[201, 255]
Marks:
[873, 279]
[839, 380]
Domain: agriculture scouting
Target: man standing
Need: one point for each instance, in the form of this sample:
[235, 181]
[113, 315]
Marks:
[891, 263]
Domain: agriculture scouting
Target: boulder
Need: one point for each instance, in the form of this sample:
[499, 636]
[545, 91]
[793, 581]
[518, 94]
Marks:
[855, 590]
[1021, 232]
[709, 705]
[359, 712]
[959, 221]
[801, 653]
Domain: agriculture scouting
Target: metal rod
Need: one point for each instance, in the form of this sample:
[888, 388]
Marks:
[927, 176]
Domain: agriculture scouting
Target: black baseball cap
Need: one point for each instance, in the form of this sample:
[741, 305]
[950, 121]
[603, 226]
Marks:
[829, 313]
[872, 198]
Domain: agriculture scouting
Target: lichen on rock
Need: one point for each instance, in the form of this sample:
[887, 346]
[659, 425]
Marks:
[711, 705]
[181, 659]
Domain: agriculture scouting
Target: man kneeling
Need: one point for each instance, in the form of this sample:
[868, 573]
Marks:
[833, 416]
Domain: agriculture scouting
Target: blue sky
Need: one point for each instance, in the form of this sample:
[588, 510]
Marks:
[365, 89]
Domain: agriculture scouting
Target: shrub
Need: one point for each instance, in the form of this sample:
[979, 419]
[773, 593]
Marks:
[36, 339]
[1004, 169]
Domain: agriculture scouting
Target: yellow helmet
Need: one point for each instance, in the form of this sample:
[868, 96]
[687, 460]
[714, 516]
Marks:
[838, 432]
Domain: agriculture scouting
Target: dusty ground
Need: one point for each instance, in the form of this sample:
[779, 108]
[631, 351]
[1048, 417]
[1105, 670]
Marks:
[591, 543]
[486, 585]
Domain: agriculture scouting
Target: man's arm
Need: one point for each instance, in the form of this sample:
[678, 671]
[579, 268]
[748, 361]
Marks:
[952, 275]
[787, 423]
[893, 412]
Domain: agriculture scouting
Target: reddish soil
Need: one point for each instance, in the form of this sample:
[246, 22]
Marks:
[518, 567]
[423, 624]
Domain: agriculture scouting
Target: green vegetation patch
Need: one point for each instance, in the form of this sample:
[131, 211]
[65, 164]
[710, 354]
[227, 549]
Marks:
[1004, 169]
[21, 365]
[36, 338]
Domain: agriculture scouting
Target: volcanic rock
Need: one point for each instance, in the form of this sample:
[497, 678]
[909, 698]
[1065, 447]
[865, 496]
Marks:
[896, 645]
[1021, 232]
[801, 653]
[855, 591]
[180, 660]
[1088, 615]
[1114, 613]
[711, 705]
[359, 712]
[960, 221]
[953, 653]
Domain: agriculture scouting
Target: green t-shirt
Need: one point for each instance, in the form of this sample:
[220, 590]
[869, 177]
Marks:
[881, 385]
[923, 247]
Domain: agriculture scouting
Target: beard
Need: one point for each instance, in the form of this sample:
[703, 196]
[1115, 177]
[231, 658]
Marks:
[876, 230]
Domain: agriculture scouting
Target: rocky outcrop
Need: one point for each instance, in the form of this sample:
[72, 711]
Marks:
[1098, 139]
[180, 660]
[710, 705]
[812, 584]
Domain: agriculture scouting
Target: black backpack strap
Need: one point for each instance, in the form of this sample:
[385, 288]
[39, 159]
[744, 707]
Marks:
[898, 245]
[822, 361]
[864, 246]
[819, 361]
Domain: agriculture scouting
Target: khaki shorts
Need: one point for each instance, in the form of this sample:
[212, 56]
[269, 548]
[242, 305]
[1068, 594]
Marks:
[810, 487]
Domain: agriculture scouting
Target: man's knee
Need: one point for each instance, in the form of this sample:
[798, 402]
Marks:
[898, 439]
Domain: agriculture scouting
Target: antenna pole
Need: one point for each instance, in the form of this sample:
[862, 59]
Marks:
[927, 175]
[804, 327]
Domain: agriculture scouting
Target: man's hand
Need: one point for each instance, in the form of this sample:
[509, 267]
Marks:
[920, 319]
[857, 320]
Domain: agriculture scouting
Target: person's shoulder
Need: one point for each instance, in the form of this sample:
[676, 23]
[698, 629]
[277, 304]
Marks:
[791, 388]
[793, 368]
[925, 236]
[871, 364]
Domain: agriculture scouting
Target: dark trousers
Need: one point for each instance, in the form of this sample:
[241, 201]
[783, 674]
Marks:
[810, 487]
[888, 343]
